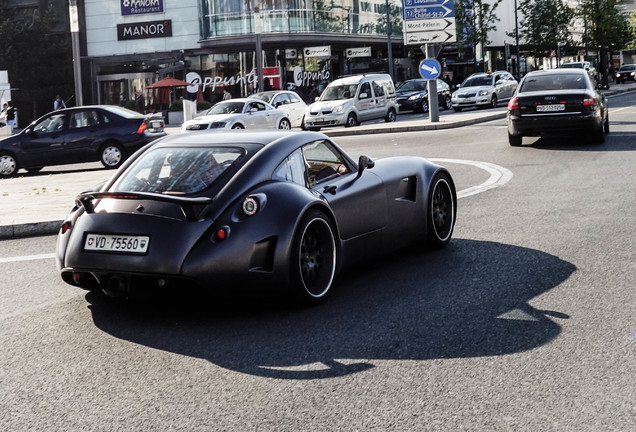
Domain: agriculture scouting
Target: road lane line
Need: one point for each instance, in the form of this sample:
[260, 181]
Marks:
[26, 258]
[499, 176]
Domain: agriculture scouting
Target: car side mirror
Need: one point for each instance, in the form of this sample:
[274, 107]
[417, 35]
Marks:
[253, 110]
[363, 163]
[363, 95]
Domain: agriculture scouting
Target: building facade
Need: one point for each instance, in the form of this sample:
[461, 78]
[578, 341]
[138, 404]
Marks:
[216, 44]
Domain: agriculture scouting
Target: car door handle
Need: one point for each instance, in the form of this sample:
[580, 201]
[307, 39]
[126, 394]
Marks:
[331, 189]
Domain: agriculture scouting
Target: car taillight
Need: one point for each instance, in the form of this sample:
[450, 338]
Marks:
[142, 128]
[513, 104]
[589, 102]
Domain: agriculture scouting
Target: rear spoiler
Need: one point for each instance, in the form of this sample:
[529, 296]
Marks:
[85, 200]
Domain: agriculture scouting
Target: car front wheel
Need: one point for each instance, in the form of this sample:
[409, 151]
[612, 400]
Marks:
[112, 155]
[494, 101]
[424, 105]
[8, 165]
[442, 206]
[352, 120]
[313, 258]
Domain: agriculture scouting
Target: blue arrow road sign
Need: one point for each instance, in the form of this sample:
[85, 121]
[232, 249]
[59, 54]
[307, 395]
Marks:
[430, 69]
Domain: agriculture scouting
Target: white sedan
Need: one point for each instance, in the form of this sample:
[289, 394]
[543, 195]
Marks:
[241, 113]
[287, 101]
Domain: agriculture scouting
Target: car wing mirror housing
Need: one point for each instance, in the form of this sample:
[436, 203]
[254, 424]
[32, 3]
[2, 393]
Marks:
[364, 162]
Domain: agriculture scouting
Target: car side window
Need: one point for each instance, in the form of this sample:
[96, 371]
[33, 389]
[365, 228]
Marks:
[365, 91]
[81, 119]
[378, 89]
[323, 162]
[293, 99]
[292, 169]
[54, 123]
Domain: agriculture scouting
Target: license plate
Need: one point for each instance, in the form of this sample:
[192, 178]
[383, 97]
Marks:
[116, 243]
[550, 108]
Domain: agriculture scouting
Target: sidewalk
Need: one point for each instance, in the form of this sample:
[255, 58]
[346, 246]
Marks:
[36, 204]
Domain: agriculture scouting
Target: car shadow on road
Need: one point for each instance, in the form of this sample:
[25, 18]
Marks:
[582, 142]
[468, 300]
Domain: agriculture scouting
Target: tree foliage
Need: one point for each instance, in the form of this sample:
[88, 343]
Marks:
[545, 24]
[38, 59]
[474, 20]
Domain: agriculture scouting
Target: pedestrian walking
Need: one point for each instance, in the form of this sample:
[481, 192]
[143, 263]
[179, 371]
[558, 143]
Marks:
[58, 103]
[10, 113]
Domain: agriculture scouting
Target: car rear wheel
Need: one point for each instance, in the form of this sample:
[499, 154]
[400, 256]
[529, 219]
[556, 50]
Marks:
[515, 140]
[313, 258]
[8, 165]
[112, 155]
[599, 135]
[284, 124]
[606, 127]
[442, 205]
[352, 120]
[391, 116]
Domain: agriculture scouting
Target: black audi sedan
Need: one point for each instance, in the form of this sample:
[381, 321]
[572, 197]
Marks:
[104, 133]
[557, 101]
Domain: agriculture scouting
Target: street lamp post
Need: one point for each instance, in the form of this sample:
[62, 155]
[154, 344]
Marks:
[259, 48]
[517, 43]
[388, 39]
[75, 45]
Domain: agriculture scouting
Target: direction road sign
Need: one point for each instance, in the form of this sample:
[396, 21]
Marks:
[430, 69]
[447, 24]
[431, 37]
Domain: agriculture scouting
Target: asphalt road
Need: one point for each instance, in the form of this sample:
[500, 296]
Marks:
[525, 322]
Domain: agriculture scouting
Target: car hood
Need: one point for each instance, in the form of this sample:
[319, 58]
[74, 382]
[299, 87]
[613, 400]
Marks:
[411, 93]
[476, 89]
[210, 118]
[328, 105]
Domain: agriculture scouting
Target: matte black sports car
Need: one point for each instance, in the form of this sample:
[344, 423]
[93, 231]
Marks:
[255, 208]
[104, 133]
[557, 101]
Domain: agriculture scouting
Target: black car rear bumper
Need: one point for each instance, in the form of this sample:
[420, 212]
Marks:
[548, 124]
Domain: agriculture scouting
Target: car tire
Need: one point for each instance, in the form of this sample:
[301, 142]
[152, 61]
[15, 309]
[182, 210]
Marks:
[441, 210]
[515, 140]
[284, 124]
[391, 116]
[352, 120]
[493, 101]
[606, 126]
[112, 155]
[424, 105]
[8, 165]
[34, 169]
[313, 258]
[238, 126]
[598, 137]
[447, 102]
[314, 129]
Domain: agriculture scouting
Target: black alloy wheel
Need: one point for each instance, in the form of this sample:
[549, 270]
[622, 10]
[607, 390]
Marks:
[442, 207]
[313, 259]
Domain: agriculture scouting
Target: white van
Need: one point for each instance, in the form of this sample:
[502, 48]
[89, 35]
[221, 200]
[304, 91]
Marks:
[351, 100]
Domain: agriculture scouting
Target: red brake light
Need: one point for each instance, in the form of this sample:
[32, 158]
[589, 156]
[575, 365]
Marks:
[589, 102]
[513, 104]
[142, 128]
[65, 227]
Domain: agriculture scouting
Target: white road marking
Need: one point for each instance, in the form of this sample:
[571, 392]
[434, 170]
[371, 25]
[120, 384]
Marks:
[498, 177]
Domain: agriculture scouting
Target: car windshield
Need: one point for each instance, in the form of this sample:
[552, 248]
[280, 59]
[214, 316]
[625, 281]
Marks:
[478, 81]
[266, 97]
[627, 68]
[228, 107]
[554, 82]
[572, 65]
[177, 171]
[339, 92]
[412, 86]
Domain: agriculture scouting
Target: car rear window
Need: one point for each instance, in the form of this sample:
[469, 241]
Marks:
[178, 171]
[554, 82]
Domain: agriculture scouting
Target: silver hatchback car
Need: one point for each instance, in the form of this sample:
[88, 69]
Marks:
[484, 90]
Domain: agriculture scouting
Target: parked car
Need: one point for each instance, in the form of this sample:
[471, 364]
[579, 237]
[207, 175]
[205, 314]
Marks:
[557, 101]
[104, 133]
[626, 72]
[240, 113]
[251, 209]
[352, 100]
[413, 95]
[586, 65]
[484, 90]
[287, 101]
